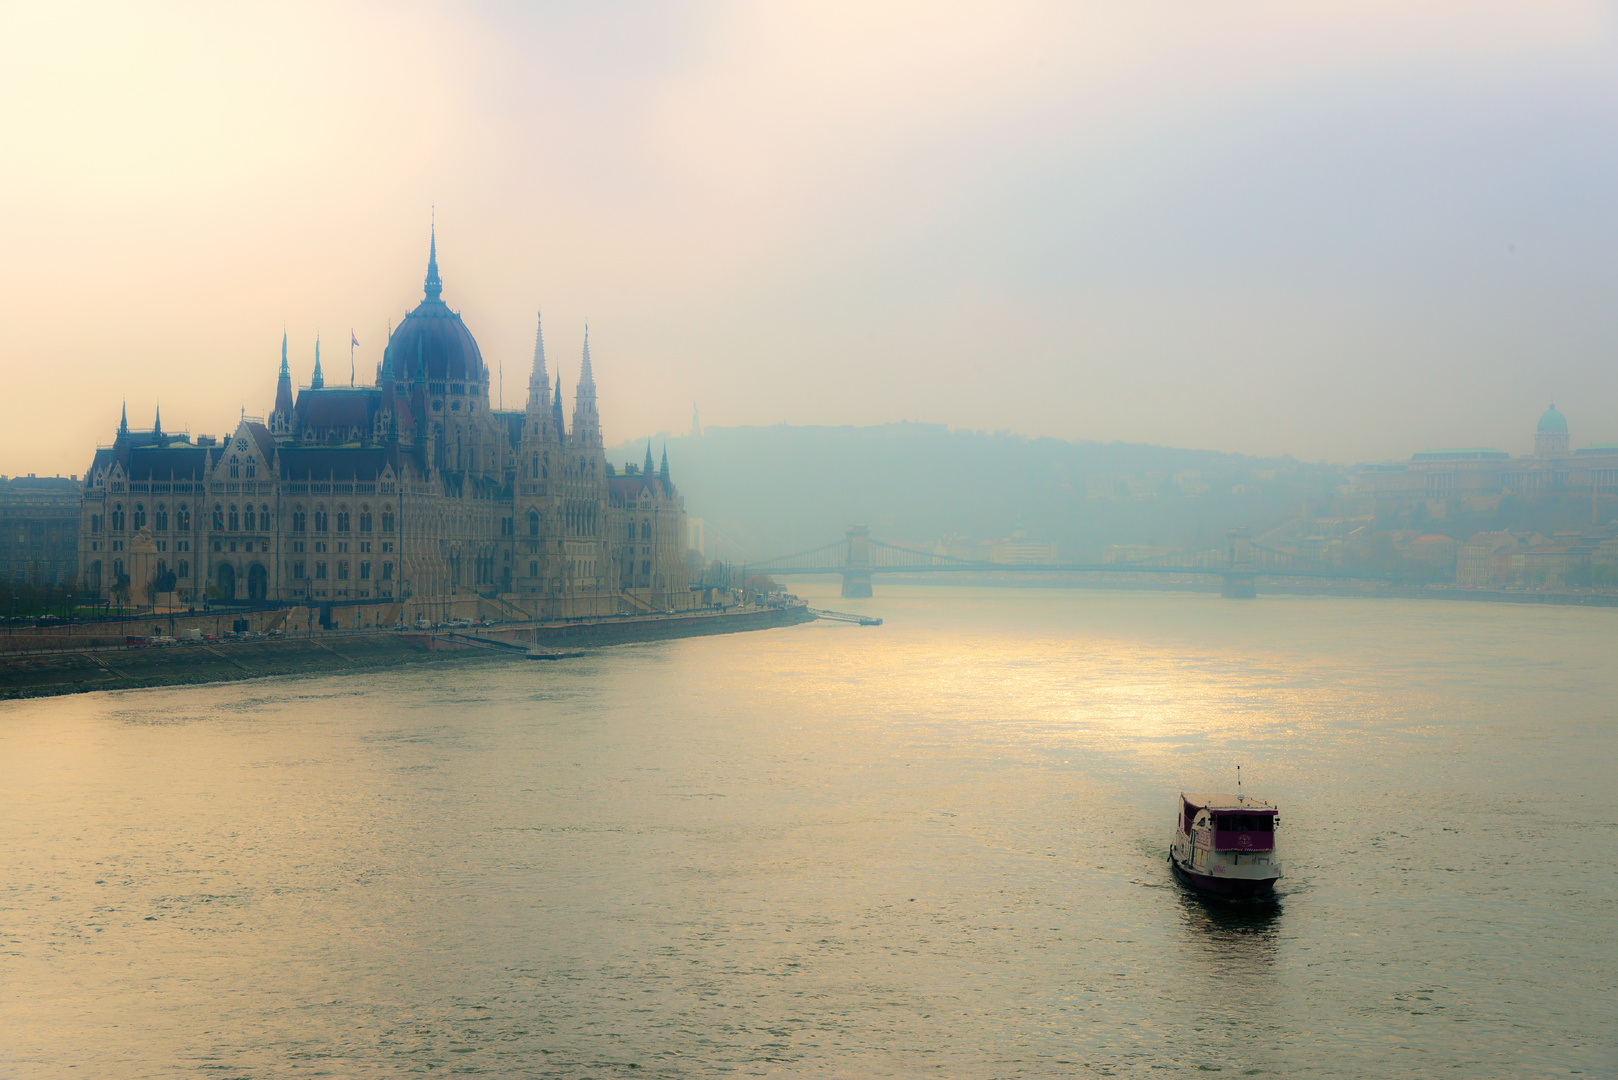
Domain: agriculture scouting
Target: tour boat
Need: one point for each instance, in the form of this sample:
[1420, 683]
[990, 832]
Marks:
[1225, 844]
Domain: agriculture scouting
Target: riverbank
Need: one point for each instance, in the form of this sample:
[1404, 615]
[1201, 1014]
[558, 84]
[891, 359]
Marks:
[1363, 590]
[80, 669]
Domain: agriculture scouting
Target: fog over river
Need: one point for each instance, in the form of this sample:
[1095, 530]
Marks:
[932, 848]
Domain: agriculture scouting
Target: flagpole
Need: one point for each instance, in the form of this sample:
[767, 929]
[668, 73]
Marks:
[351, 356]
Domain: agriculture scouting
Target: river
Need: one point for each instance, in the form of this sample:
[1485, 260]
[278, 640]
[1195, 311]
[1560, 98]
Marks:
[930, 848]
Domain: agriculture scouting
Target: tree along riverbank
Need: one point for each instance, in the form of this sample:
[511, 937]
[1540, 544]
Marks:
[80, 670]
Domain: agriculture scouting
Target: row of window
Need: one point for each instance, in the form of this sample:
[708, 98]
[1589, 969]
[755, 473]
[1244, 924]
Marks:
[342, 571]
[238, 518]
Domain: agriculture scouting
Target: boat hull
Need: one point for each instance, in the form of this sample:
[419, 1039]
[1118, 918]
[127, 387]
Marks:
[1233, 888]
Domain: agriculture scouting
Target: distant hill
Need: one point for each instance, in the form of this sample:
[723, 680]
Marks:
[765, 491]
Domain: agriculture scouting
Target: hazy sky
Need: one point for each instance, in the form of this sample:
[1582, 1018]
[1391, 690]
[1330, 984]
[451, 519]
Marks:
[1347, 230]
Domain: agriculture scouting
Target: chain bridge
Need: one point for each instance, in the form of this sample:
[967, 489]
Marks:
[1239, 563]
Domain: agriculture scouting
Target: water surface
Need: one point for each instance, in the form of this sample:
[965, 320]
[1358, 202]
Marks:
[933, 848]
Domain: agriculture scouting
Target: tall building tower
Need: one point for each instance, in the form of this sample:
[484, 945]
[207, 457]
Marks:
[584, 492]
[281, 415]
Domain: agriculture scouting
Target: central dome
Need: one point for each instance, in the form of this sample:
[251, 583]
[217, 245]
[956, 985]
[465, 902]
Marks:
[1552, 420]
[434, 337]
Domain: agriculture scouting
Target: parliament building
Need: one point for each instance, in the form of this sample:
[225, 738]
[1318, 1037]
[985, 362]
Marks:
[411, 489]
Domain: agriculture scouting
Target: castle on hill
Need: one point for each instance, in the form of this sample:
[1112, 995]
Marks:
[411, 488]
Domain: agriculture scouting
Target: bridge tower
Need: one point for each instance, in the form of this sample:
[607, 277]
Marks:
[1240, 571]
[857, 562]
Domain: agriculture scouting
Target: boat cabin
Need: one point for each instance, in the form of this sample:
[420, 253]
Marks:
[1234, 823]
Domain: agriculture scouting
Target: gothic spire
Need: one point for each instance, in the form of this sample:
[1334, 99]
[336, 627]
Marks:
[586, 376]
[538, 376]
[157, 420]
[286, 372]
[556, 410]
[319, 380]
[647, 468]
[123, 421]
[663, 469]
[435, 285]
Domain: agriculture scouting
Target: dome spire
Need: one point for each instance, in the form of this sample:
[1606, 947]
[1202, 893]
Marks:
[435, 285]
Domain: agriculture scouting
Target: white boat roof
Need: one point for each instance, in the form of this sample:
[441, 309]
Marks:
[1223, 800]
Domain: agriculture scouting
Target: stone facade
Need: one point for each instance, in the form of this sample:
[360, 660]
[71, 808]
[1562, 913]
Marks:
[39, 523]
[412, 488]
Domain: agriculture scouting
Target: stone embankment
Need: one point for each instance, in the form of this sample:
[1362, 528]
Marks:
[51, 664]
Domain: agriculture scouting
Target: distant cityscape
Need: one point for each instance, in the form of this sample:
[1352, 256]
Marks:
[1476, 517]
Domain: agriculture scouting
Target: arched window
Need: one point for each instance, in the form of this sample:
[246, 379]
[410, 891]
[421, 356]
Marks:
[533, 523]
[218, 517]
[95, 574]
[161, 518]
[365, 519]
[182, 518]
[140, 515]
[117, 517]
[235, 518]
[264, 516]
[533, 569]
[645, 530]
[235, 468]
[185, 568]
[95, 523]
[536, 467]
[300, 518]
[342, 519]
[252, 469]
[320, 519]
[387, 519]
[249, 522]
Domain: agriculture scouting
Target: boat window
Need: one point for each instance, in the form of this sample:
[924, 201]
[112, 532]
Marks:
[1245, 823]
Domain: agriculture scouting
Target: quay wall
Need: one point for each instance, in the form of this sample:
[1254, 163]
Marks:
[80, 667]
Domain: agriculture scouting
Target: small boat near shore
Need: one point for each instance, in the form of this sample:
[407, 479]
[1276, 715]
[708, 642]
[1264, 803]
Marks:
[535, 654]
[1225, 844]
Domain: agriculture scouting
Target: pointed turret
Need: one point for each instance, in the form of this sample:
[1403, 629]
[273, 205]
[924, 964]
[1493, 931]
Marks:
[586, 422]
[647, 468]
[556, 412]
[663, 469]
[123, 420]
[281, 414]
[157, 420]
[539, 380]
[435, 285]
[319, 380]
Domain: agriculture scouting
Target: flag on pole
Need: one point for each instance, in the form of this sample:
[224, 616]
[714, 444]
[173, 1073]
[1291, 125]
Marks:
[352, 340]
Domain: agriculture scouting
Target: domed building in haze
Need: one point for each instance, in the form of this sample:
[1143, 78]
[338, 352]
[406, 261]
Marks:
[413, 493]
[1476, 478]
[1552, 435]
